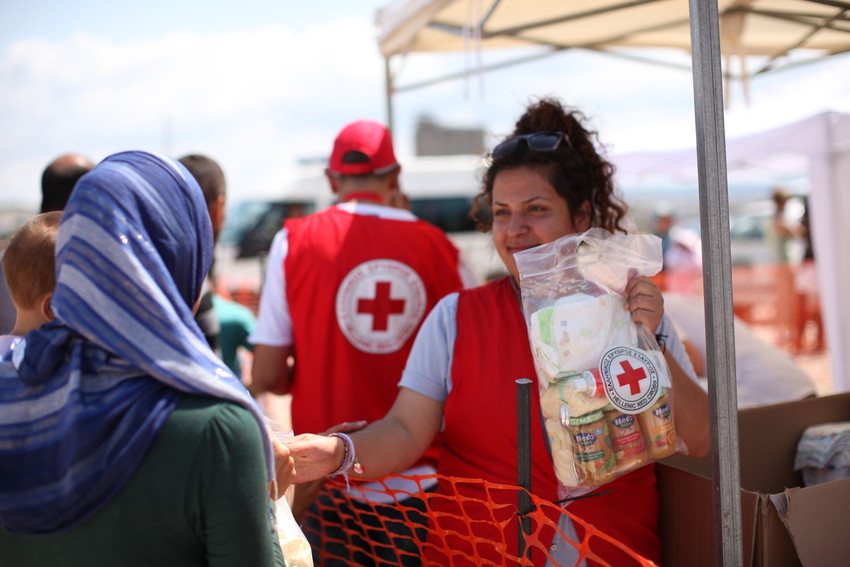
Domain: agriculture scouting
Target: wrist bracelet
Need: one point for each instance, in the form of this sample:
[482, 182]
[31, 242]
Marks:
[347, 457]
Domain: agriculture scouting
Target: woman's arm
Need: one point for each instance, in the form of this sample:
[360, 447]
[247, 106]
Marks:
[690, 401]
[270, 370]
[690, 408]
[386, 446]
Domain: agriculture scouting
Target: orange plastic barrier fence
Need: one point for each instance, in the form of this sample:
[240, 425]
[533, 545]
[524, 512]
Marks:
[468, 523]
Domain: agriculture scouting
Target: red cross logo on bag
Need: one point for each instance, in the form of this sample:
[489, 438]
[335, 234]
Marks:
[631, 379]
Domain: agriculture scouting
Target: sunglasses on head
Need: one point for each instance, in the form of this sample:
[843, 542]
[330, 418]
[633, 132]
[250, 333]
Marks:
[536, 141]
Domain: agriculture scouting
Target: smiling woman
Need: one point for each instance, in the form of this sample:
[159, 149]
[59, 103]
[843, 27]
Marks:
[538, 188]
[527, 212]
[537, 180]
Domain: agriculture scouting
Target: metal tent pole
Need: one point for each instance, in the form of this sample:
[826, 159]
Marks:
[389, 88]
[717, 278]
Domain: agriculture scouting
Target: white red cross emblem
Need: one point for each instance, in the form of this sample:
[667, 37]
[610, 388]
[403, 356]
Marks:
[631, 379]
[379, 305]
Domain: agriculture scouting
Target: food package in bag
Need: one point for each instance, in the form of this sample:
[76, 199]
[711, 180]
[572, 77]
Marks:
[603, 381]
[293, 543]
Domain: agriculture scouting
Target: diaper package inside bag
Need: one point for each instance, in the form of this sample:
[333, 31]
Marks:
[603, 381]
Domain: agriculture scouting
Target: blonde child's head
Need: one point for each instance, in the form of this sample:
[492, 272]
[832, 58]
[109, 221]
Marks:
[29, 268]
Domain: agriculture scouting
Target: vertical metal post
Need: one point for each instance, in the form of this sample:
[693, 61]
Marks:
[717, 277]
[523, 400]
[388, 85]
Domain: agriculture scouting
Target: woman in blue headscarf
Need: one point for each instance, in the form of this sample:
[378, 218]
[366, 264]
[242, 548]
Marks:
[124, 440]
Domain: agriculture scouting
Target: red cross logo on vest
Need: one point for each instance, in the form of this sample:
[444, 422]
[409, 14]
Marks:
[379, 305]
[632, 378]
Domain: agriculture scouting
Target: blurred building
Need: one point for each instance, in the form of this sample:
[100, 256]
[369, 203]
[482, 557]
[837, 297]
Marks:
[435, 140]
[12, 218]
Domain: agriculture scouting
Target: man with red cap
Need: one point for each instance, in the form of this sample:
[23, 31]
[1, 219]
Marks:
[345, 292]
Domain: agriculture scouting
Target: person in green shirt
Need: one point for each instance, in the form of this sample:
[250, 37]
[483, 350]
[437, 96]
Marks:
[236, 323]
[124, 440]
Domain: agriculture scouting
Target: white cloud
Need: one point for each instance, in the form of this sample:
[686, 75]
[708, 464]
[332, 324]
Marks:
[242, 97]
[259, 99]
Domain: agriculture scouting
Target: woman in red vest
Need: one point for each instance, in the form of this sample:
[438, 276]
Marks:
[547, 180]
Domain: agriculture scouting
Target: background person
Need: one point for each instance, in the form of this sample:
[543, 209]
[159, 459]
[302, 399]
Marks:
[142, 473]
[57, 181]
[807, 292]
[225, 323]
[545, 181]
[210, 177]
[683, 262]
[236, 322]
[345, 291]
[30, 275]
[781, 234]
[662, 221]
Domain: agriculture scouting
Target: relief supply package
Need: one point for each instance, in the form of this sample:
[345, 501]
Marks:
[603, 381]
[823, 453]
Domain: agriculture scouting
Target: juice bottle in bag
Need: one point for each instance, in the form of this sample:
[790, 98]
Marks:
[626, 439]
[658, 428]
[592, 447]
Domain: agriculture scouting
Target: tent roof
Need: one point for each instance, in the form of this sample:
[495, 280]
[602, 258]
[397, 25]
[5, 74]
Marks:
[770, 28]
[776, 29]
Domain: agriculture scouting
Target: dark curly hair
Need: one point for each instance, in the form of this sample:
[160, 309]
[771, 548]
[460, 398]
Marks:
[576, 169]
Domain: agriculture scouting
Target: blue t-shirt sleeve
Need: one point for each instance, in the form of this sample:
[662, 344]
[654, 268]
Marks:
[428, 369]
[676, 347]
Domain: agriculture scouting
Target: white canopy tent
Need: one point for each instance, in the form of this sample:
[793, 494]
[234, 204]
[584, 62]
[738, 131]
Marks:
[823, 143]
[757, 27]
[756, 36]
[773, 30]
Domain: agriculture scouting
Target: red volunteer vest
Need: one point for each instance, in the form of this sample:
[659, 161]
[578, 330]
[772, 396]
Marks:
[480, 437]
[358, 289]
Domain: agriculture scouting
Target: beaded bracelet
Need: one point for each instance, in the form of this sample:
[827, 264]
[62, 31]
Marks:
[347, 457]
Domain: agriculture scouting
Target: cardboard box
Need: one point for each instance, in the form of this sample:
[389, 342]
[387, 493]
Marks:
[782, 524]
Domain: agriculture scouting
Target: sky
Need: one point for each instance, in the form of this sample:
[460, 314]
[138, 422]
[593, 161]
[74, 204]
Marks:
[259, 85]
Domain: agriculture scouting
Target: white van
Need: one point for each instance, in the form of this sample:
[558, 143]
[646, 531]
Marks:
[441, 191]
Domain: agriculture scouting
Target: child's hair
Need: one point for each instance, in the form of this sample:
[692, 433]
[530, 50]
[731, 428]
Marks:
[28, 261]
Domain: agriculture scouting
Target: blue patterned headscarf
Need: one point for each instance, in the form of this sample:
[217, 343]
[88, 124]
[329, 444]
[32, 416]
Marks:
[86, 394]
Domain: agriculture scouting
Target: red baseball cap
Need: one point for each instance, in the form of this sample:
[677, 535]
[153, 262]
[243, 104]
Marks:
[364, 147]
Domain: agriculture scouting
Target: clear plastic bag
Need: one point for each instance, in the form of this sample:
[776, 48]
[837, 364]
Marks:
[603, 381]
[294, 545]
